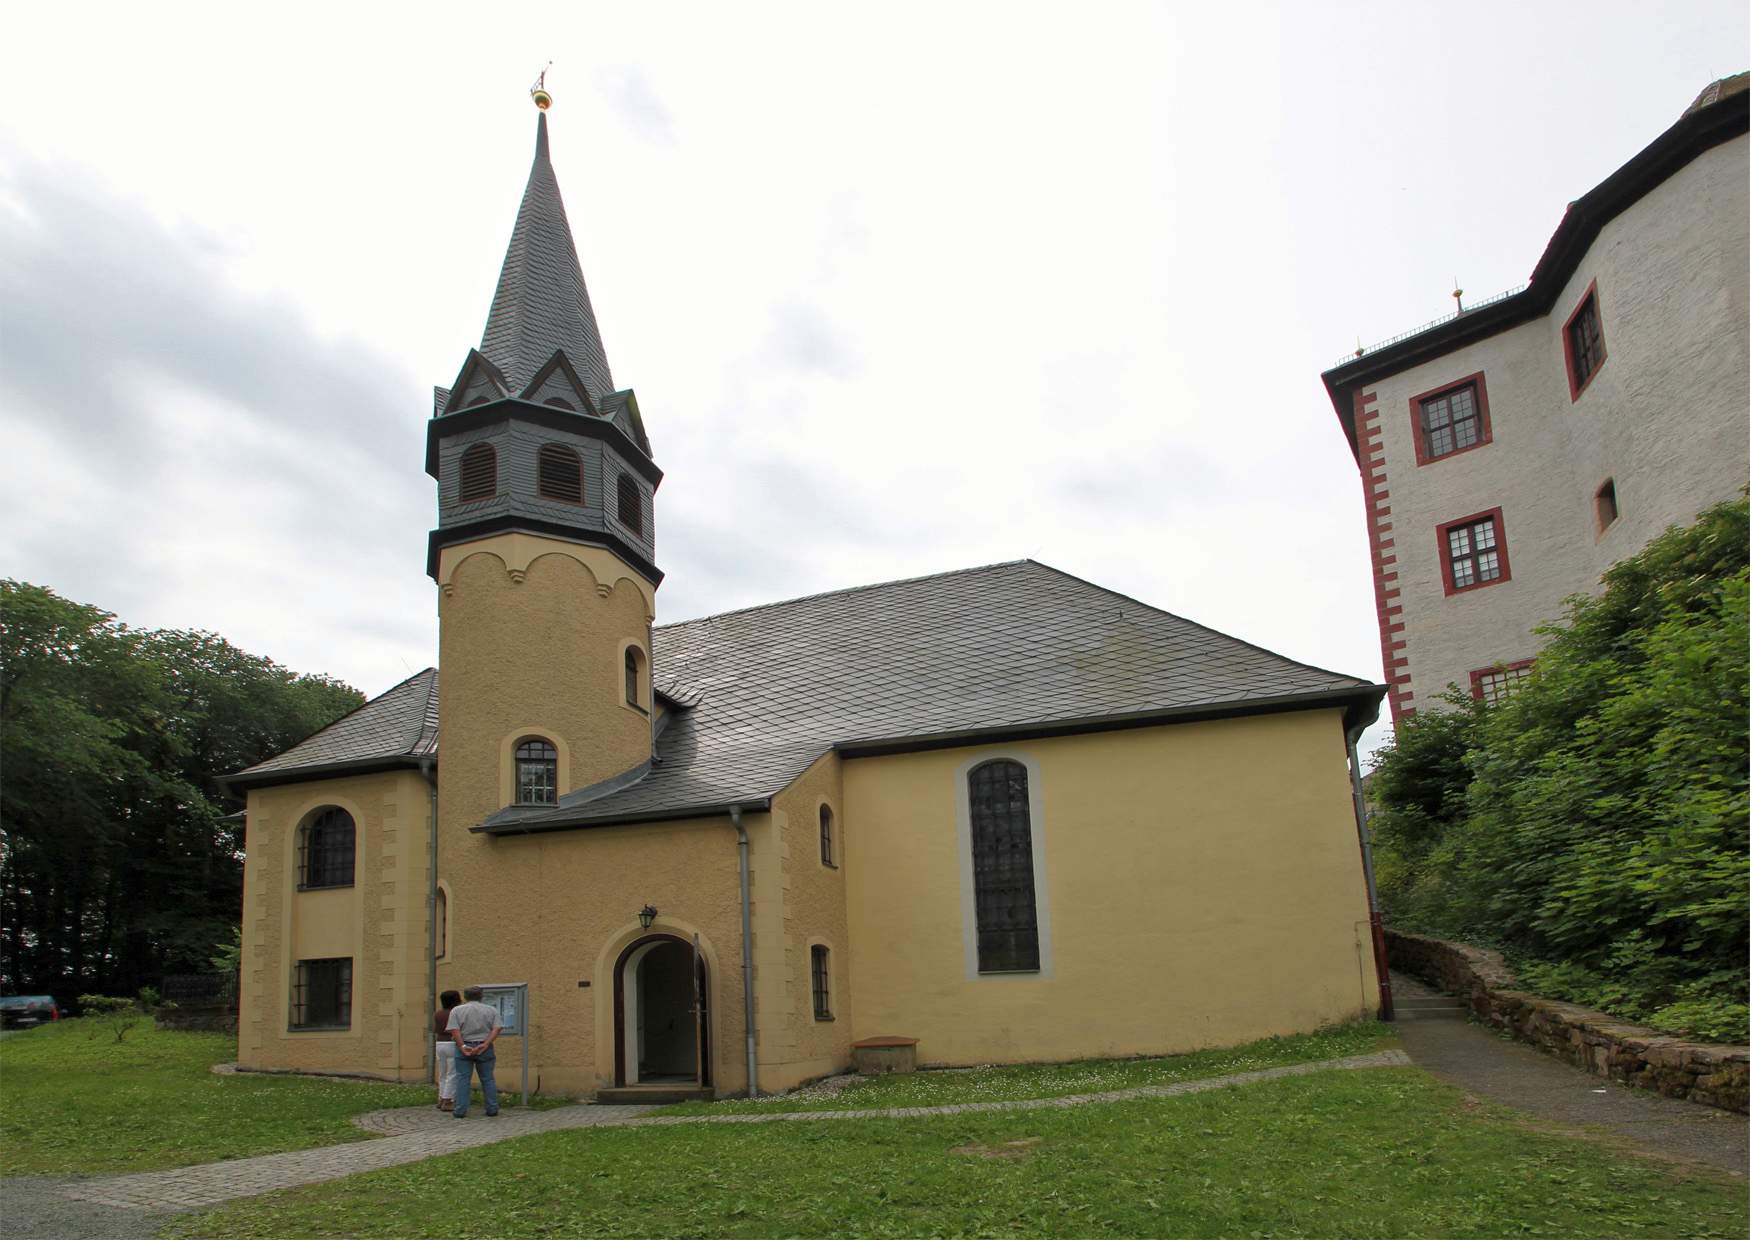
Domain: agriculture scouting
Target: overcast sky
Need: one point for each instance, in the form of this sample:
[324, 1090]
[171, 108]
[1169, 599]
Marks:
[901, 289]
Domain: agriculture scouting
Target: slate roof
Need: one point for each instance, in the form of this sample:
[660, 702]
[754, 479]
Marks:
[542, 303]
[756, 696]
[396, 728]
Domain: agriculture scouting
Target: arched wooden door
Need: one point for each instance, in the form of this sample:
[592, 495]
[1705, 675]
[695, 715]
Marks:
[662, 1013]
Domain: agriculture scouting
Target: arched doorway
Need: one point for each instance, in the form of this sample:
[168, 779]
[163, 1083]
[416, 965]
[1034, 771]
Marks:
[662, 1013]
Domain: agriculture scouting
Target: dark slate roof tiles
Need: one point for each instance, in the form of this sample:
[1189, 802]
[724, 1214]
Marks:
[399, 724]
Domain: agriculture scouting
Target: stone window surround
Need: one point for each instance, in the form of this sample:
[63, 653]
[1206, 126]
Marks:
[1041, 883]
[1445, 546]
[1485, 430]
[1477, 674]
[1588, 298]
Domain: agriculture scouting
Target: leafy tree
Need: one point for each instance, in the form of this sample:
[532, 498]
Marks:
[1597, 822]
[116, 862]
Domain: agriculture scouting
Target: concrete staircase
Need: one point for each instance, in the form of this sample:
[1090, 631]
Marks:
[1411, 1000]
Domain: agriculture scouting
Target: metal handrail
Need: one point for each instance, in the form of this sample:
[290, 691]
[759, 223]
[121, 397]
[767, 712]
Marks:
[1417, 331]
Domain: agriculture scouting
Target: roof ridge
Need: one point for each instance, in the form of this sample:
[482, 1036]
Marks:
[873, 585]
[1197, 624]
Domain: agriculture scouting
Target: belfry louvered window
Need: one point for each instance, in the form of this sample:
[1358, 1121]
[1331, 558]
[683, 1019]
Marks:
[1002, 868]
[325, 849]
[560, 473]
[537, 773]
[631, 504]
[479, 473]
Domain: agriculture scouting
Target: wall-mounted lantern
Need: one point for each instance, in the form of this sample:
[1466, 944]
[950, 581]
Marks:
[646, 915]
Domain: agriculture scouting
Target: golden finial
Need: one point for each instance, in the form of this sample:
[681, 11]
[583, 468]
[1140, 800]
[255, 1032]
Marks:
[1458, 294]
[538, 92]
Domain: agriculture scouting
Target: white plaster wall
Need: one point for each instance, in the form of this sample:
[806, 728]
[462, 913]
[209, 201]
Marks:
[1667, 416]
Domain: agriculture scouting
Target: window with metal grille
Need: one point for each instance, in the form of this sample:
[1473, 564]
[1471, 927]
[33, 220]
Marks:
[826, 835]
[1473, 553]
[1585, 344]
[1492, 684]
[559, 473]
[479, 473]
[537, 773]
[820, 967]
[631, 504]
[1451, 422]
[1605, 505]
[325, 849]
[1002, 868]
[322, 994]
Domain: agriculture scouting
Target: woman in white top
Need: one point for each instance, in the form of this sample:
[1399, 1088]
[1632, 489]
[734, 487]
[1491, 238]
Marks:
[446, 1052]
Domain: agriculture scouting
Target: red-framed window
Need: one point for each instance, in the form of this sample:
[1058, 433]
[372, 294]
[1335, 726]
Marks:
[1583, 342]
[1450, 419]
[1473, 552]
[1604, 507]
[1493, 684]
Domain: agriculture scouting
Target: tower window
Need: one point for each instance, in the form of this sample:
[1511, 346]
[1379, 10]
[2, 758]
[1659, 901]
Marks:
[479, 473]
[1604, 503]
[820, 967]
[537, 773]
[325, 849]
[559, 473]
[1583, 341]
[634, 670]
[322, 994]
[1473, 552]
[1002, 868]
[1495, 684]
[631, 504]
[826, 835]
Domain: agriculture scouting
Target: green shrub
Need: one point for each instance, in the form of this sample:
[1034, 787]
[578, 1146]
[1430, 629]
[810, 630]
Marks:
[1596, 824]
[110, 1012]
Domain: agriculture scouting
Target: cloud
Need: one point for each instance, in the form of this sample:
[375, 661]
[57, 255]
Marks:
[636, 102]
[189, 456]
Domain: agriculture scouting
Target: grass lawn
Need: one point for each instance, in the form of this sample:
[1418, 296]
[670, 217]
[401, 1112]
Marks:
[1009, 1082]
[74, 1101]
[1379, 1153]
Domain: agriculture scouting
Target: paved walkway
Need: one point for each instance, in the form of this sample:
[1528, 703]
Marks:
[424, 1132]
[1436, 1032]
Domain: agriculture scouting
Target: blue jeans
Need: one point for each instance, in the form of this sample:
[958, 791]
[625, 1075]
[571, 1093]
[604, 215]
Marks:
[487, 1063]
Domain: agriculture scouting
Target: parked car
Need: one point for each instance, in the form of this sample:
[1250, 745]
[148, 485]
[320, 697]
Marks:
[27, 1011]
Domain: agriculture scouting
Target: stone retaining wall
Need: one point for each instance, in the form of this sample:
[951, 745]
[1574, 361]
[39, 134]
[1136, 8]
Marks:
[1717, 1076]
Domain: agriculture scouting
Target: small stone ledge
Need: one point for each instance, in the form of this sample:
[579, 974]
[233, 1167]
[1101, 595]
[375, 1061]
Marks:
[1710, 1074]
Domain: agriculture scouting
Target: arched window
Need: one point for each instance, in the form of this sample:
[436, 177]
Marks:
[441, 931]
[631, 505]
[634, 694]
[559, 473]
[1002, 868]
[479, 473]
[826, 835]
[325, 849]
[537, 773]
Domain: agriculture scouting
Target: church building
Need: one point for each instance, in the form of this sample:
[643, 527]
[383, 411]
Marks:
[1001, 811]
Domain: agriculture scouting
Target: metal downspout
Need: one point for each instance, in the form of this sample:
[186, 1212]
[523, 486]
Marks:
[431, 991]
[1380, 966]
[753, 1087]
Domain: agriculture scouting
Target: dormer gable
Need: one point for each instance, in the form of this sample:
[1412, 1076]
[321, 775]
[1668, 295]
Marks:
[621, 408]
[479, 383]
[557, 384]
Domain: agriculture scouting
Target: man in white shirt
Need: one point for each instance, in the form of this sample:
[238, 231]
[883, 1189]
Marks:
[474, 1026]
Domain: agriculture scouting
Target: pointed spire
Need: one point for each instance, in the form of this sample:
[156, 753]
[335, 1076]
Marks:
[542, 303]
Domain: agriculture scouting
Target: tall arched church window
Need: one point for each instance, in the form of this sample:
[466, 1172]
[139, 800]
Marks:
[537, 773]
[631, 506]
[1002, 868]
[559, 473]
[325, 849]
[634, 668]
[479, 473]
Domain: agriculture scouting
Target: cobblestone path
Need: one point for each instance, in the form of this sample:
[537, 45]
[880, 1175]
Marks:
[415, 1133]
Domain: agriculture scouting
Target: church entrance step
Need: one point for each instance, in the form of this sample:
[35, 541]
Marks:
[653, 1095]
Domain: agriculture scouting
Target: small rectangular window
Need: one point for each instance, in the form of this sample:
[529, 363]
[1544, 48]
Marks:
[1583, 342]
[1493, 684]
[1451, 421]
[1473, 552]
[825, 835]
[818, 960]
[322, 994]
[1605, 505]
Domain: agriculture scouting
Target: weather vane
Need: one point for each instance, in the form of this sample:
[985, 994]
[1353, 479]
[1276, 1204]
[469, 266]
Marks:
[538, 92]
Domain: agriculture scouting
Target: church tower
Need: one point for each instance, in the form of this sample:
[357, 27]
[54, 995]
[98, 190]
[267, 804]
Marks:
[544, 551]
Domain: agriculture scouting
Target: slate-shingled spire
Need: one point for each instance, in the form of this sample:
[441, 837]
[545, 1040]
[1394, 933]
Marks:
[542, 303]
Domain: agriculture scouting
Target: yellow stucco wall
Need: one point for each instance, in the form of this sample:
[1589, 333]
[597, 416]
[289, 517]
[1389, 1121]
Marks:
[1202, 886]
[379, 922]
[794, 1046]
